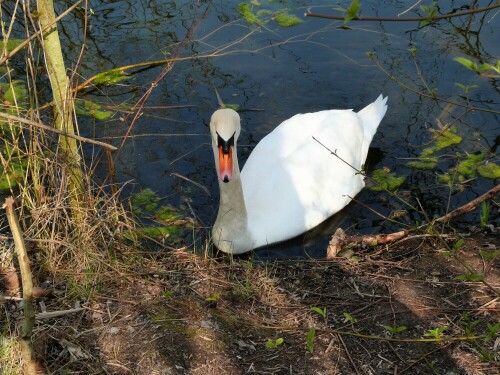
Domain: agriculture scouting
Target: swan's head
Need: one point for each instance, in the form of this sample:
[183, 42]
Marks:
[225, 128]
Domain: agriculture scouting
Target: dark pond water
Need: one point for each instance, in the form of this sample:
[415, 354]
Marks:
[273, 73]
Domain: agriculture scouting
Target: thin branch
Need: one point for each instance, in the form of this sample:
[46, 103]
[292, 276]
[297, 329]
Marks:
[57, 131]
[428, 95]
[340, 239]
[55, 314]
[418, 19]
[38, 33]
[469, 206]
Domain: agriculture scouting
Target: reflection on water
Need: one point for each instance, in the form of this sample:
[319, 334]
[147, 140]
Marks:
[274, 73]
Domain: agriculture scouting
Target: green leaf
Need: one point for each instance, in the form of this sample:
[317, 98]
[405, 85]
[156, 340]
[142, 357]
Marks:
[458, 244]
[490, 256]
[213, 298]
[493, 330]
[168, 294]
[309, 340]
[466, 62]
[349, 318]
[466, 88]
[351, 12]
[321, 312]
[394, 329]
[472, 277]
[436, 333]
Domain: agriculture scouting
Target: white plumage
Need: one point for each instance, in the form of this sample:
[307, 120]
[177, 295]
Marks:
[290, 182]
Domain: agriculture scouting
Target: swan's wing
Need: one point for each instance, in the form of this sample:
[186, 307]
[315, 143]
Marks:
[291, 183]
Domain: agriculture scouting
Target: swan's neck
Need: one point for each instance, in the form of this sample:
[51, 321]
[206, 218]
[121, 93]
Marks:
[230, 229]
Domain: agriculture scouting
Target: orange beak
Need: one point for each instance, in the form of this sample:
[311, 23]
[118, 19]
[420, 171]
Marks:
[226, 164]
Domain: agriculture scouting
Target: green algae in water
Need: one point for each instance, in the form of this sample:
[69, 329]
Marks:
[11, 44]
[385, 180]
[264, 12]
[442, 140]
[234, 107]
[167, 213]
[159, 232]
[10, 178]
[246, 12]
[144, 202]
[490, 170]
[15, 92]
[111, 77]
[468, 167]
[424, 163]
[286, 20]
[444, 178]
[89, 108]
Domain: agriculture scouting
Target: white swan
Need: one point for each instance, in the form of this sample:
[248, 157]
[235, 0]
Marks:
[290, 182]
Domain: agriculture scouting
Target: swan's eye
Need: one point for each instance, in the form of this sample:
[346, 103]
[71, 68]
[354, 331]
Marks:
[225, 145]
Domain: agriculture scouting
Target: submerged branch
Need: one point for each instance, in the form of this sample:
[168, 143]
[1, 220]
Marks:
[407, 19]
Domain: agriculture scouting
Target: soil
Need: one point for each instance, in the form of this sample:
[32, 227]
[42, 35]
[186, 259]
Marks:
[205, 315]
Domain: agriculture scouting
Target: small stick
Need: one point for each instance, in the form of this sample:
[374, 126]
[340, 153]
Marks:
[348, 354]
[438, 17]
[27, 285]
[469, 206]
[4, 299]
[54, 314]
[57, 131]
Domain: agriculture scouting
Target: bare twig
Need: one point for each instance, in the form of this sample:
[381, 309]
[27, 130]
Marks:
[55, 314]
[339, 337]
[418, 19]
[8, 55]
[57, 131]
[469, 206]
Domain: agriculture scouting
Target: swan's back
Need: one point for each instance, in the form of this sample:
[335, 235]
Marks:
[291, 183]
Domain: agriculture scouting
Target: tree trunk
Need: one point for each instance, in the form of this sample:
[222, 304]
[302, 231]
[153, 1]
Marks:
[63, 106]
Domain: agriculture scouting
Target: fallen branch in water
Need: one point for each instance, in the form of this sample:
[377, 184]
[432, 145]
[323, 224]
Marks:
[469, 206]
[340, 239]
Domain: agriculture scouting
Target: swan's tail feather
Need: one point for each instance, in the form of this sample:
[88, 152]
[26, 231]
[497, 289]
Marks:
[371, 116]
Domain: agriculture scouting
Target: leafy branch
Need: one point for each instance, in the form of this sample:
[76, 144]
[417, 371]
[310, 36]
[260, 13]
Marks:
[431, 94]
[430, 16]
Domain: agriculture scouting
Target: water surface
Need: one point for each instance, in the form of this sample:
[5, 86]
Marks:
[272, 73]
